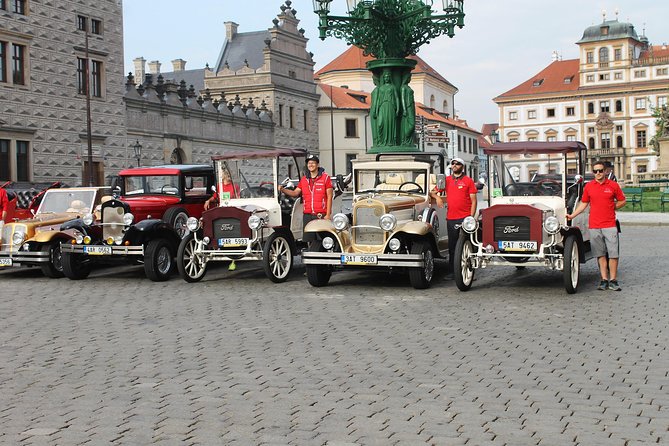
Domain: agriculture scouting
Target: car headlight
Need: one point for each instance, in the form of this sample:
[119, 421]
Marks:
[394, 244]
[255, 222]
[388, 222]
[79, 239]
[118, 240]
[128, 219]
[18, 237]
[469, 224]
[340, 221]
[328, 242]
[88, 219]
[552, 225]
[193, 224]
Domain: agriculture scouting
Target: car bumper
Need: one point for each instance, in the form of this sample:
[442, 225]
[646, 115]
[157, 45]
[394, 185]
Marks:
[216, 255]
[115, 250]
[10, 259]
[382, 260]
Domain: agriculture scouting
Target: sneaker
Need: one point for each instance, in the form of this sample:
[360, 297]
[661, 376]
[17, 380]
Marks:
[603, 285]
[613, 285]
[232, 266]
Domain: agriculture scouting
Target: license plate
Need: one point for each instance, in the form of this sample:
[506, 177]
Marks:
[5, 262]
[98, 250]
[230, 242]
[517, 246]
[358, 259]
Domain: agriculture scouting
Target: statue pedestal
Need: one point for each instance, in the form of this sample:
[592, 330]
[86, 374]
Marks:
[663, 155]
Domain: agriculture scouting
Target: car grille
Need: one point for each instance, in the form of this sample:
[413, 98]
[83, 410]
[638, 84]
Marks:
[512, 228]
[366, 216]
[227, 228]
[7, 233]
[112, 217]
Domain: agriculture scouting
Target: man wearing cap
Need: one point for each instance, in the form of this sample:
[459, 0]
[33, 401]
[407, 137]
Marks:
[316, 190]
[461, 201]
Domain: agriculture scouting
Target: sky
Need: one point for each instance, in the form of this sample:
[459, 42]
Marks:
[502, 44]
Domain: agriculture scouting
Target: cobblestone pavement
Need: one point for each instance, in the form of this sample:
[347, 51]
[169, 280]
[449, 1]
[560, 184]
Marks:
[235, 359]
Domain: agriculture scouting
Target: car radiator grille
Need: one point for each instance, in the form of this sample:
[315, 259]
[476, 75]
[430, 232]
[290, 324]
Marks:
[112, 217]
[368, 236]
[7, 233]
[512, 228]
[227, 228]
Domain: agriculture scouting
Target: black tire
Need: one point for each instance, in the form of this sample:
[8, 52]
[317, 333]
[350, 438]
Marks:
[422, 277]
[54, 267]
[571, 268]
[158, 262]
[277, 257]
[463, 273]
[75, 266]
[191, 268]
[318, 275]
[177, 218]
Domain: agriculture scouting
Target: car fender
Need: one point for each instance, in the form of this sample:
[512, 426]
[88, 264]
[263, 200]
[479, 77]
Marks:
[146, 230]
[76, 224]
[47, 236]
[326, 227]
[575, 231]
[414, 228]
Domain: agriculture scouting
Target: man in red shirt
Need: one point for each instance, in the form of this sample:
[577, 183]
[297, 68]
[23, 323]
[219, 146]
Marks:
[4, 203]
[461, 200]
[316, 191]
[604, 197]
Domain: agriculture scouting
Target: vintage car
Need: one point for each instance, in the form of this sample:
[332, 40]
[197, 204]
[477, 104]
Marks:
[25, 200]
[525, 223]
[171, 192]
[394, 223]
[115, 237]
[36, 241]
[254, 222]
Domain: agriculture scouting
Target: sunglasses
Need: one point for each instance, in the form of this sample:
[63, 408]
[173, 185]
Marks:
[597, 170]
[454, 163]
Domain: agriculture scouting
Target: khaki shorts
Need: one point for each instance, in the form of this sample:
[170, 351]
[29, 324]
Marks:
[605, 241]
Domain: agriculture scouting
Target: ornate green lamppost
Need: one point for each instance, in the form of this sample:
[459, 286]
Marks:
[390, 31]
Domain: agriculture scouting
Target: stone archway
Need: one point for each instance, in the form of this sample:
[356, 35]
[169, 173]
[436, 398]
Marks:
[177, 156]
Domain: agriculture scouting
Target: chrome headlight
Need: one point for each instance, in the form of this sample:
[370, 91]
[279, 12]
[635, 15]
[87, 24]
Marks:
[469, 224]
[118, 240]
[88, 219]
[388, 222]
[18, 237]
[79, 239]
[255, 222]
[328, 242]
[340, 222]
[552, 225]
[128, 219]
[193, 224]
[394, 244]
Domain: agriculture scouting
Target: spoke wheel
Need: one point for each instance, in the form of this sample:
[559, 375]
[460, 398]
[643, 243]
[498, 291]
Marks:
[277, 258]
[572, 265]
[422, 277]
[462, 265]
[191, 266]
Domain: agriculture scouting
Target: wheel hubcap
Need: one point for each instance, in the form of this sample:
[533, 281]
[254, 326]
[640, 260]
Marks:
[164, 260]
[194, 266]
[279, 258]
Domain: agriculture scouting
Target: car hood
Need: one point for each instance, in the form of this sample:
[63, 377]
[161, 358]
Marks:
[150, 202]
[394, 202]
[49, 218]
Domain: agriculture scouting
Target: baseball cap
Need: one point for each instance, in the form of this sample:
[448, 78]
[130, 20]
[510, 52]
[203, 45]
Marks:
[458, 160]
[312, 157]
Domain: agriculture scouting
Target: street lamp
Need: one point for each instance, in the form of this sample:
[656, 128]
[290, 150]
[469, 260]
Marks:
[390, 31]
[137, 147]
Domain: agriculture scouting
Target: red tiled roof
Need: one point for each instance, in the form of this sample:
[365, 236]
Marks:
[353, 59]
[487, 129]
[655, 51]
[551, 80]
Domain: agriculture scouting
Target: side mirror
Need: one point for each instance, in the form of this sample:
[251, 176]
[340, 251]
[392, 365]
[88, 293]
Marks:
[213, 188]
[578, 179]
[480, 184]
[441, 181]
[116, 191]
[189, 183]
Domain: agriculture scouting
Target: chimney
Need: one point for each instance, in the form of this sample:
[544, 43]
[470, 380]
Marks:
[178, 65]
[230, 30]
[154, 67]
[140, 69]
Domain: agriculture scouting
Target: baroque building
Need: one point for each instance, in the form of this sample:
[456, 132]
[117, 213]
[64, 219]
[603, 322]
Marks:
[46, 48]
[604, 98]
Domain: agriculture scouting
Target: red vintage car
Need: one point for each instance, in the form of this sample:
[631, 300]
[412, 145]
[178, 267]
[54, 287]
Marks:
[171, 192]
[24, 202]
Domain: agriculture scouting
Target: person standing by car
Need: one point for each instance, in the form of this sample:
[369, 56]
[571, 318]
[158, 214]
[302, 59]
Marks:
[604, 197]
[316, 190]
[4, 204]
[608, 171]
[461, 201]
[228, 190]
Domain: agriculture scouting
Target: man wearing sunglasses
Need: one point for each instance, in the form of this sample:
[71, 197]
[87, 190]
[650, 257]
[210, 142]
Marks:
[461, 200]
[604, 197]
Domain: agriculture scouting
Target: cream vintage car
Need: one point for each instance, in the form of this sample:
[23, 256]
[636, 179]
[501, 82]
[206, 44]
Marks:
[394, 224]
[36, 241]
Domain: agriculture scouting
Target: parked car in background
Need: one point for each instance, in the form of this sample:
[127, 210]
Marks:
[525, 224]
[171, 192]
[394, 224]
[36, 241]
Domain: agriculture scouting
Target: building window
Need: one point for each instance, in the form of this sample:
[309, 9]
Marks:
[18, 64]
[349, 162]
[604, 106]
[280, 115]
[618, 54]
[603, 55]
[591, 108]
[5, 175]
[19, 6]
[591, 143]
[513, 139]
[571, 137]
[662, 71]
[537, 82]
[551, 138]
[642, 168]
[513, 116]
[604, 77]
[306, 120]
[619, 128]
[591, 130]
[81, 75]
[22, 148]
[531, 114]
[445, 107]
[638, 74]
[571, 111]
[291, 117]
[20, 155]
[590, 78]
[590, 57]
[532, 138]
[619, 142]
[606, 140]
[96, 79]
[3, 61]
[619, 106]
[550, 112]
[351, 128]
[82, 23]
[618, 75]
[96, 26]
[640, 138]
[640, 103]
[567, 80]
[661, 101]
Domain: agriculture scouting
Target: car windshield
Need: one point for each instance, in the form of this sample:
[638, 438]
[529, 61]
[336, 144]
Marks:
[55, 201]
[530, 175]
[393, 181]
[151, 184]
[254, 177]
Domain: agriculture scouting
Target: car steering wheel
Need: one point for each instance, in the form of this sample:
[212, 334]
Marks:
[547, 184]
[419, 190]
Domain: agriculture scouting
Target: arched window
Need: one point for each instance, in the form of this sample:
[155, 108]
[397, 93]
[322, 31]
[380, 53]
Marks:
[619, 142]
[445, 107]
[432, 101]
[603, 54]
[591, 108]
[591, 143]
[619, 105]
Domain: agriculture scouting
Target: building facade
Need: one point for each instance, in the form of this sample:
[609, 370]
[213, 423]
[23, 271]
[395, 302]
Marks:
[605, 98]
[46, 50]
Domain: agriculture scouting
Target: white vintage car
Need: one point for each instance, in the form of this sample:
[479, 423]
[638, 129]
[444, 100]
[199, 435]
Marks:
[525, 223]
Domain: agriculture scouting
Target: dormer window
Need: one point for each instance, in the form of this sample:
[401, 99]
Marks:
[359, 97]
[537, 82]
[567, 80]
[604, 30]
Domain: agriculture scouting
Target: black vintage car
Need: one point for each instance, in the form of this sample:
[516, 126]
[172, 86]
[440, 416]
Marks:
[113, 237]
